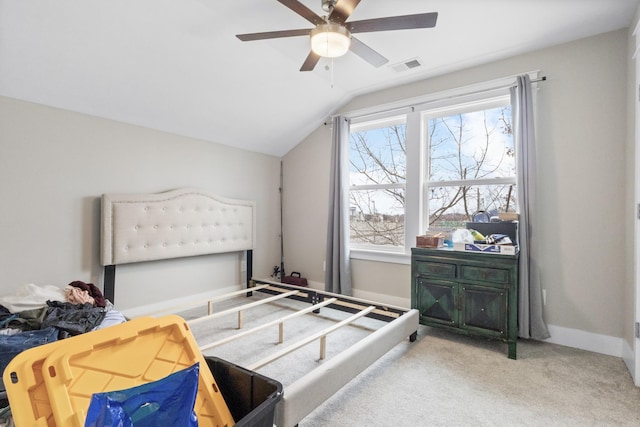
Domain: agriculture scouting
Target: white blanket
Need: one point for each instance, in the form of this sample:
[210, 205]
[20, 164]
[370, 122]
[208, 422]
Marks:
[31, 296]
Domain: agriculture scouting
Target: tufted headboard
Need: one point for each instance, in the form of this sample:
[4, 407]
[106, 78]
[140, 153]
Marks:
[172, 224]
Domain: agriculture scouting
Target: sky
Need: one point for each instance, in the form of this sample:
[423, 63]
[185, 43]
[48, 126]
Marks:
[446, 163]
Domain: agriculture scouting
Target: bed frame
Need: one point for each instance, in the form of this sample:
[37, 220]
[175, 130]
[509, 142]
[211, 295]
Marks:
[190, 222]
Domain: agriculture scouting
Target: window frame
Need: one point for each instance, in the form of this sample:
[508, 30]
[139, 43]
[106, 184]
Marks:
[384, 120]
[453, 109]
[415, 186]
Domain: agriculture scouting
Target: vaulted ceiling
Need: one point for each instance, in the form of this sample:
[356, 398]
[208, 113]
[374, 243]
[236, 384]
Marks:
[176, 66]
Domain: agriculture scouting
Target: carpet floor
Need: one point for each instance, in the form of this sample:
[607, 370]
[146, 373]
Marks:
[444, 379]
[441, 379]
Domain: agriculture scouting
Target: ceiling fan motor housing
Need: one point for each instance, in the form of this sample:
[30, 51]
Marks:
[330, 40]
[328, 5]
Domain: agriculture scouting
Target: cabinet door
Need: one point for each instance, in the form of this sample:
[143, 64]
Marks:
[484, 310]
[436, 301]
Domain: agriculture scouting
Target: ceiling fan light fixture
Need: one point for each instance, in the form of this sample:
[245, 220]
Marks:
[330, 40]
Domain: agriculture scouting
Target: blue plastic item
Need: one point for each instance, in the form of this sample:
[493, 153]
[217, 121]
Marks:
[166, 402]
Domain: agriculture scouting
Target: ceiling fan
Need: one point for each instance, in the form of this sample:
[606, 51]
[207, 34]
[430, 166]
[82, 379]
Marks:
[332, 35]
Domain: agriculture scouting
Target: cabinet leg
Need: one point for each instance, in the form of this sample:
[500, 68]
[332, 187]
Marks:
[512, 350]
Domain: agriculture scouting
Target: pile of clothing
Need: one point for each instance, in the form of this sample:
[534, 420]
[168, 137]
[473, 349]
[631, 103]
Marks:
[38, 315]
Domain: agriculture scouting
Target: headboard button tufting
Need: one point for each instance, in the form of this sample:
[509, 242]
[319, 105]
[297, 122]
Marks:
[173, 224]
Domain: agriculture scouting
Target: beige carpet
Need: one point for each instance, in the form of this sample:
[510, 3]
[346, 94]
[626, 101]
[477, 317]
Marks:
[443, 379]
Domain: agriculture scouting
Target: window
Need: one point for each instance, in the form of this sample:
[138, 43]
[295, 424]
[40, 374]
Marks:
[471, 162]
[429, 168]
[377, 160]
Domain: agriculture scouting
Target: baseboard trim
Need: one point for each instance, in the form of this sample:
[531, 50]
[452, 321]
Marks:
[629, 360]
[383, 298]
[176, 304]
[598, 343]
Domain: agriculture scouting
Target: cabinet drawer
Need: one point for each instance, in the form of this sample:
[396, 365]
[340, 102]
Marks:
[436, 269]
[485, 274]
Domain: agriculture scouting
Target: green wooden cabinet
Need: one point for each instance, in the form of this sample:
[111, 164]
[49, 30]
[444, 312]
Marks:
[469, 293]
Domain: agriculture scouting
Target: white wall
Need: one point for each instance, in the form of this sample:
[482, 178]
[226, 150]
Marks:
[305, 204]
[582, 151]
[631, 219]
[55, 164]
[632, 302]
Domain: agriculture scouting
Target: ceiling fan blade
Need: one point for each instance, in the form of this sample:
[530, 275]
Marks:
[303, 11]
[273, 35]
[366, 53]
[311, 61]
[342, 10]
[405, 22]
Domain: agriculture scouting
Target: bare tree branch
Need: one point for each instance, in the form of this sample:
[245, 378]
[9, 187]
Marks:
[379, 159]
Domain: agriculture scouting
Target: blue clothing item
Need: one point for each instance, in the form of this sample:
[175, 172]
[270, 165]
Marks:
[7, 320]
[11, 345]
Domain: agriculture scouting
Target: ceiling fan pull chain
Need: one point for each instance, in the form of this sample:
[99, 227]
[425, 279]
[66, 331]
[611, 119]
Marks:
[331, 73]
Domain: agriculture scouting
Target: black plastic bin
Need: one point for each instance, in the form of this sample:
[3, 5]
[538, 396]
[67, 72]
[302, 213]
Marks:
[250, 397]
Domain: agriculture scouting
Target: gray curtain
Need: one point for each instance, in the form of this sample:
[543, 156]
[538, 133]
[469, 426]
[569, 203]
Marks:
[338, 268]
[530, 321]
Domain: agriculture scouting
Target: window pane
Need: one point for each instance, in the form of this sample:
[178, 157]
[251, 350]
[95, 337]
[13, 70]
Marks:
[472, 145]
[451, 207]
[378, 155]
[376, 217]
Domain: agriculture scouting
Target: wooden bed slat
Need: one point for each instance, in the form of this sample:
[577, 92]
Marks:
[196, 304]
[242, 307]
[309, 339]
[230, 295]
[384, 312]
[279, 321]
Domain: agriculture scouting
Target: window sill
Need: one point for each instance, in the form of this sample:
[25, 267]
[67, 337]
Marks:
[380, 256]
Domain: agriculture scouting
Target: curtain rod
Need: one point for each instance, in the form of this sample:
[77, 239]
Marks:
[409, 105]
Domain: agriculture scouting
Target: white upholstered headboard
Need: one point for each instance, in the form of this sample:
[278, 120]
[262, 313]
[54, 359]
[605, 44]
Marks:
[172, 224]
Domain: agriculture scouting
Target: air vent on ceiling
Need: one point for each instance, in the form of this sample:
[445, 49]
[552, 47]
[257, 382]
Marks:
[407, 65]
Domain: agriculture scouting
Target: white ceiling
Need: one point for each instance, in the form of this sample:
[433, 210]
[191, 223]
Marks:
[177, 66]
